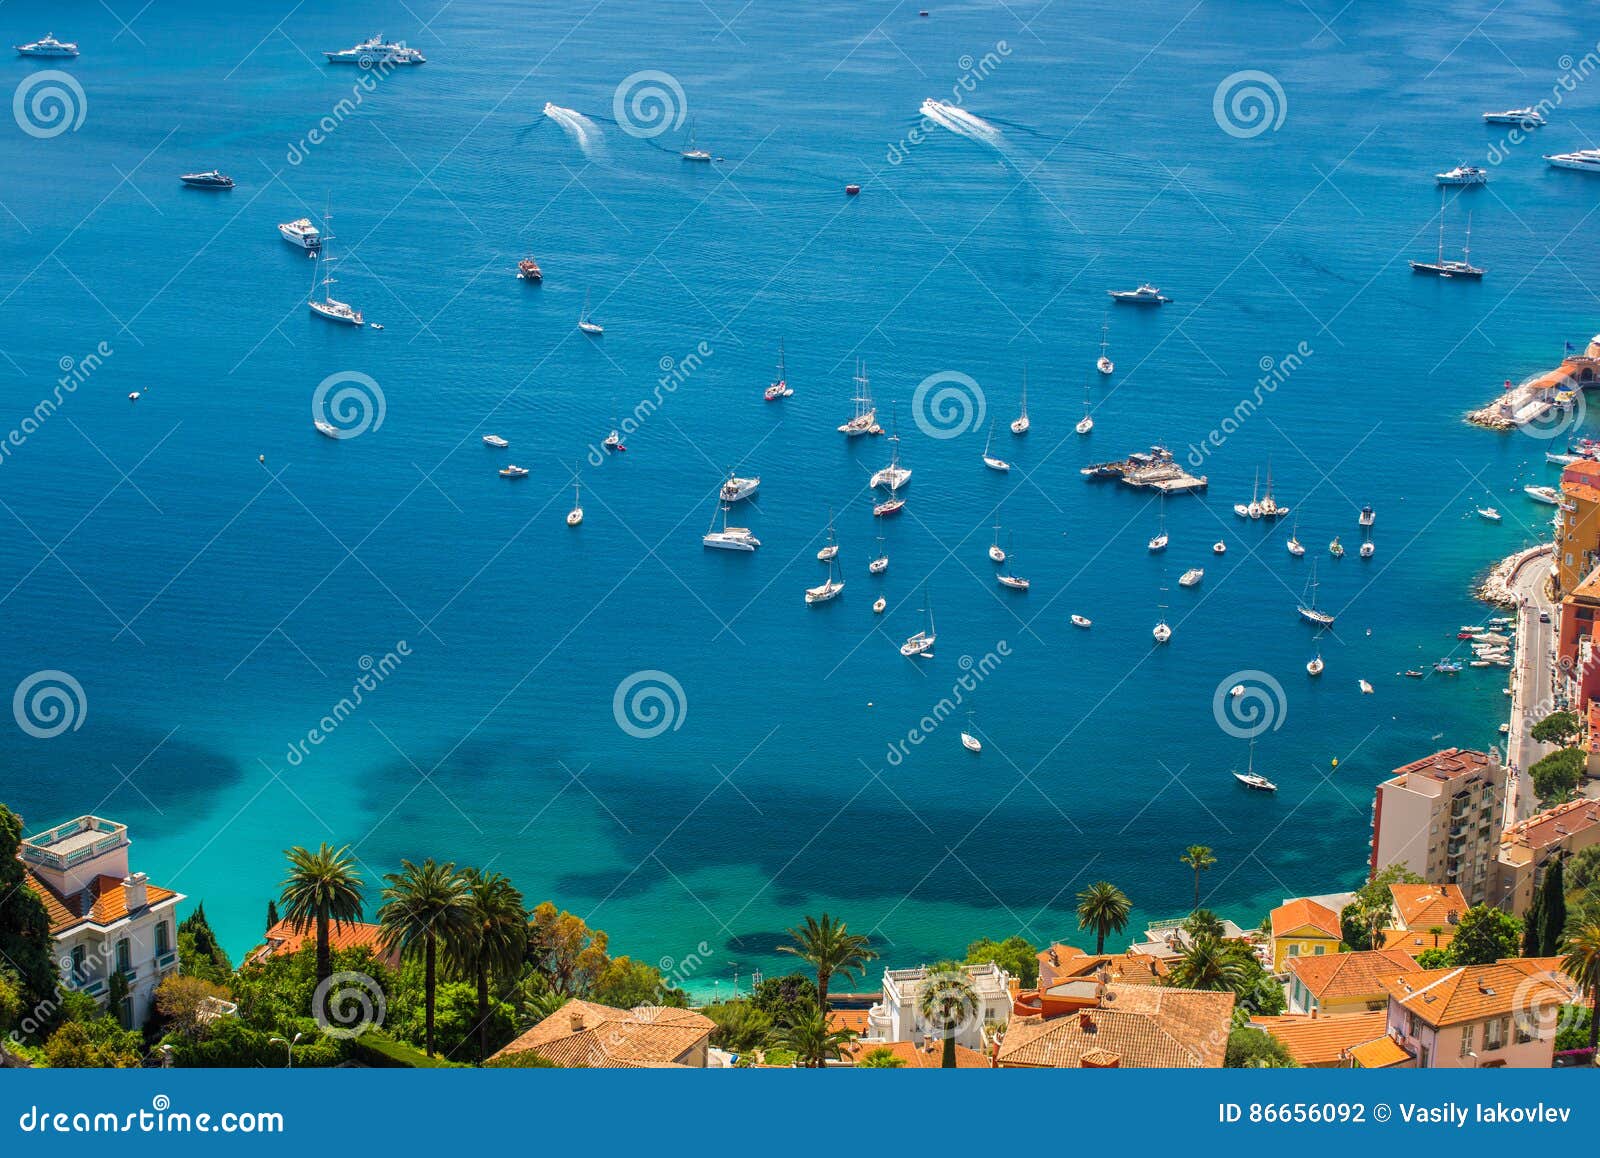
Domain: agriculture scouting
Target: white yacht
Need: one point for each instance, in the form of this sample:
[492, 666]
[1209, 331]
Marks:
[49, 46]
[997, 553]
[495, 441]
[1192, 577]
[512, 470]
[737, 488]
[575, 515]
[328, 306]
[921, 644]
[826, 590]
[879, 604]
[968, 741]
[729, 538]
[1529, 117]
[694, 152]
[1161, 632]
[1219, 548]
[1463, 175]
[612, 441]
[376, 50]
[865, 416]
[880, 561]
[1583, 160]
[894, 476]
[1367, 516]
[831, 552]
[1250, 778]
[1543, 495]
[301, 233]
[1489, 514]
[1086, 423]
[324, 428]
[1368, 550]
[1082, 621]
[1145, 295]
[1296, 548]
[1308, 610]
[587, 324]
[990, 460]
[1159, 542]
[1020, 424]
[1104, 364]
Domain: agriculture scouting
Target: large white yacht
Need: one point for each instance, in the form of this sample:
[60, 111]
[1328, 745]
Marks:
[301, 233]
[1584, 160]
[49, 46]
[376, 50]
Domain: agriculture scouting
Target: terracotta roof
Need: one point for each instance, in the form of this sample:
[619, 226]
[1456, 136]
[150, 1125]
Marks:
[851, 1019]
[1305, 913]
[1322, 1041]
[1554, 824]
[1414, 941]
[1380, 1053]
[103, 902]
[1341, 976]
[1445, 764]
[585, 1035]
[1063, 962]
[1421, 907]
[1474, 992]
[1142, 1025]
[918, 1056]
[283, 939]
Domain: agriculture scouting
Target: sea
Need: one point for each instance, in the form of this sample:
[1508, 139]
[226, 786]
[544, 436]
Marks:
[236, 635]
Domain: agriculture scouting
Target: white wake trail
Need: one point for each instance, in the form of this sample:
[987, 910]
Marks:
[962, 123]
[584, 132]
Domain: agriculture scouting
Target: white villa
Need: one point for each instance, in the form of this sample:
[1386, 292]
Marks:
[104, 918]
[896, 1017]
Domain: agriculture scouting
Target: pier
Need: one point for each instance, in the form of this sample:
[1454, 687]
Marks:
[1534, 399]
[1154, 470]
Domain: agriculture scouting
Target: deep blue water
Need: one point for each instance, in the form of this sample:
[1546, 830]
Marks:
[214, 606]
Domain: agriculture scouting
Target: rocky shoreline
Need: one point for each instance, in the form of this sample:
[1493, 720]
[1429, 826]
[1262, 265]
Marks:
[1496, 586]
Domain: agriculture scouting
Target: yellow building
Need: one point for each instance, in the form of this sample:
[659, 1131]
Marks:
[1577, 525]
[1302, 928]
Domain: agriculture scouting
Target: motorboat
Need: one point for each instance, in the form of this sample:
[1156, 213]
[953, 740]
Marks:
[1447, 667]
[375, 50]
[1583, 160]
[1463, 175]
[48, 46]
[528, 270]
[1367, 516]
[1543, 495]
[1489, 514]
[512, 470]
[301, 233]
[1219, 548]
[1145, 295]
[210, 179]
[1368, 550]
[1528, 118]
[1336, 548]
[495, 441]
[736, 488]
[324, 428]
[1082, 621]
[1192, 577]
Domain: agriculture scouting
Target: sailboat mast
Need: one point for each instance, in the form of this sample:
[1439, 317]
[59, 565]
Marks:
[1440, 258]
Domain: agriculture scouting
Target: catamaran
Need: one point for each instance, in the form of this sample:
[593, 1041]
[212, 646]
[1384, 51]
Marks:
[894, 476]
[920, 645]
[866, 415]
[329, 307]
[729, 538]
[1308, 609]
[990, 460]
[1019, 425]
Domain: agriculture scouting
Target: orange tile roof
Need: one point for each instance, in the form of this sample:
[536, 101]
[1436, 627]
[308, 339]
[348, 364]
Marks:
[1445, 764]
[1322, 1041]
[282, 938]
[103, 902]
[918, 1056]
[854, 1020]
[1063, 962]
[1379, 1054]
[1474, 992]
[1554, 824]
[1142, 1025]
[1414, 941]
[1425, 906]
[1344, 976]
[586, 1035]
[1304, 913]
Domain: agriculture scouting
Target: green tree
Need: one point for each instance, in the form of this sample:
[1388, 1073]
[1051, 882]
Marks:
[492, 941]
[810, 1038]
[1556, 775]
[1581, 962]
[741, 1027]
[1434, 958]
[1558, 728]
[1199, 858]
[322, 888]
[1552, 910]
[1016, 955]
[1256, 1049]
[1209, 963]
[831, 949]
[1583, 869]
[1105, 908]
[881, 1058]
[1484, 935]
[947, 1001]
[424, 905]
[563, 948]
[1533, 926]
[187, 1004]
[625, 983]
[96, 1044]
[25, 945]
[272, 912]
[1363, 920]
[200, 951]
[777, 996]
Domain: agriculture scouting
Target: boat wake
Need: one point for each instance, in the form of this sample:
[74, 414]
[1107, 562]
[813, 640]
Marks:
[584, 132]
[962, 123]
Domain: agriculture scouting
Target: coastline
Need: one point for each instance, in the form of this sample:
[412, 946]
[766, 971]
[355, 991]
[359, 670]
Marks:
[1499, 586]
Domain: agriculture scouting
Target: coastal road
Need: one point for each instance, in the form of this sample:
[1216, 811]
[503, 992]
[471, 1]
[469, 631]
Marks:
[1534, 683]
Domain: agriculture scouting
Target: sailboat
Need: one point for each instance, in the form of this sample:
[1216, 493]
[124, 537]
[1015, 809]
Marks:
[1159, 543]
[330, 307]
[1295, 547]
[1162, 632]
[575, 515]
[894, 476]
[1314, 666]
[1012, 579]
[585, 323]
[969, 741]
[866, 415]
[780, 388]
[1104, 364]
[1336, 548]
[1308, 609]
[831, 552]
[1086, 423]
[1269, 506]
[990, 460]
[693, 152]
[880, 561]
[1439, 267]
[1243, 509]
[729, 538]
[921, 644]
[1250, 778]
[827, 589]
[997, 553]
[1020, 424]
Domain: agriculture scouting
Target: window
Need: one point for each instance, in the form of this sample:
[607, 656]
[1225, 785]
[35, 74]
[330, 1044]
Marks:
[163, 939]
[1294, 949]
[124, 957]
[1466, 1039]
[1319, 950]
[1494, 1033]
[80, 957]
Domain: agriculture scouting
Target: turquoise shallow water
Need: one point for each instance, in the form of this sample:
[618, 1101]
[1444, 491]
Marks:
[214, 607]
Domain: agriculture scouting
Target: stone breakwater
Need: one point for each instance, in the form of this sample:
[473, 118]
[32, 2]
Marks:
[1498, 587]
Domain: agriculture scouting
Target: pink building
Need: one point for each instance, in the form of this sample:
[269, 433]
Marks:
[1479, 1016]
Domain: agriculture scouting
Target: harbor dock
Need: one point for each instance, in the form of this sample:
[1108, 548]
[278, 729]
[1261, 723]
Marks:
[1153, 470]
[1549, 392]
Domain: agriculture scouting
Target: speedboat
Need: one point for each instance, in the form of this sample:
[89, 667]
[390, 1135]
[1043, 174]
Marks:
[1314, 667]
[495, 441]
[1463, 175]
[1366, 688]
[324, 428]
[375, 50]
[528, 270]
[1192, 577]
[1368, 550]
[1219, 548]
[1082, 621]
[512, 470]
[1145, 295]
[301, 233]
[1367, 516]
[1583, 160]
[1543, 495]
[1489, 514]
[970, 742]
[49, 46]
[1529, 118]
[210, 179]
[1412, 673]
[737, 488]
[1447, 667]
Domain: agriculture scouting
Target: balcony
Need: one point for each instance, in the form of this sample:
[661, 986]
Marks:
[74, 842]
[167, 960]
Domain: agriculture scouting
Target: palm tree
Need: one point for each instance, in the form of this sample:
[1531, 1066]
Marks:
[1210, 963]
[1198, 857]
[806, 1032]
[1582, 964]
[947, 1000]
[830, 948]
[322, 887]
[1104, 908]
[493, 942]
[424, 906]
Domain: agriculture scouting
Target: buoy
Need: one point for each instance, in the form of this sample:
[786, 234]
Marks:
[1336, 761]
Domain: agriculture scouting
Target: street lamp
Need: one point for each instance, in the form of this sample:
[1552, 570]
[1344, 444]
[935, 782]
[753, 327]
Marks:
[288, 1046]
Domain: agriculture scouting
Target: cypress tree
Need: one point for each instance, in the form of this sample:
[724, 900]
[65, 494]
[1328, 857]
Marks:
[1533, 927]
[1552, 909]
[25, 945]
[272, 914]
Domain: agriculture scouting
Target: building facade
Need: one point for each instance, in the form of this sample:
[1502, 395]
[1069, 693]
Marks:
[898, 1015]
[1478, 1016]
[1577, 525]
[1441, 817]
[1528, 847]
